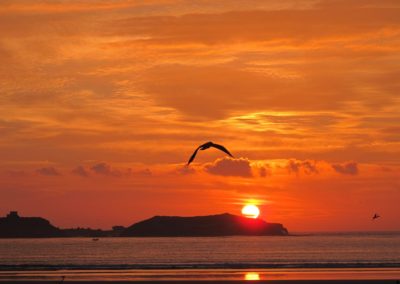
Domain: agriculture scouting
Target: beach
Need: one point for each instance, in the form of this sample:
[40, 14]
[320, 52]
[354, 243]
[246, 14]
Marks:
[377, 275]
[220, 281]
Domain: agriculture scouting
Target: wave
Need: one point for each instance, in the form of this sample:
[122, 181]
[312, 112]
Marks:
[46, 267]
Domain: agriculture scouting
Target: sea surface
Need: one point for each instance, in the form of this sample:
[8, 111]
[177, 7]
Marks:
[362, 251]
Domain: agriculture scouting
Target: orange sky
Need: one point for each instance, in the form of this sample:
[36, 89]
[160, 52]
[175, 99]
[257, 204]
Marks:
[102, 103]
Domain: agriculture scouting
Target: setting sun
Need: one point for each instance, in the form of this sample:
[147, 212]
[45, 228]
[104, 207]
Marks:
[250, 211]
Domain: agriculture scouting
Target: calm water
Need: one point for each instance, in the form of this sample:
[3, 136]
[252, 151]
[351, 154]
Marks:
[309, 251]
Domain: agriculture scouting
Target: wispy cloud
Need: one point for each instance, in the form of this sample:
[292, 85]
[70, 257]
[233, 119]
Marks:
[348, 168]
[230, 167]
[106, 170]
[48, 171]
[307, 167]
[80, 171]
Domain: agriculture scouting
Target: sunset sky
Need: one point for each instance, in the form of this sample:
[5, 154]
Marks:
[103, 102]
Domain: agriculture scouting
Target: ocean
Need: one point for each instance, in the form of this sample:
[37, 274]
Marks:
[119, 256]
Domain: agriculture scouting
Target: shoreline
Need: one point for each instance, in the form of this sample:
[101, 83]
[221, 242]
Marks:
[361, 275]
[220, 282]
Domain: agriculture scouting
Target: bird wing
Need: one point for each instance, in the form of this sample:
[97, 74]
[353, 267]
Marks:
[193, 155]
[222, 148]
[207, 144]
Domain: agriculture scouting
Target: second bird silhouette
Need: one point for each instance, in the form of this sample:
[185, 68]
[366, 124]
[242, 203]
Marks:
[206, 146]
[376, 216]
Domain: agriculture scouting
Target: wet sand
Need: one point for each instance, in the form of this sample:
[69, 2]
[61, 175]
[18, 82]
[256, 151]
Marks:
[283, 276]
[219, 282]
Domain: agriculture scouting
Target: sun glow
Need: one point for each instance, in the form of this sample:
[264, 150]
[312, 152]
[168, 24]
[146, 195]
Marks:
[250, 211]
[251, 276]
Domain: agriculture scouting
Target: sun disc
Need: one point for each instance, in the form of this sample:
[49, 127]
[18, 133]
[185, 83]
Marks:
[250, 211]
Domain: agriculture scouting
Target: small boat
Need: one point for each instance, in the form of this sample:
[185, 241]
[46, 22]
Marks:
[95, 239]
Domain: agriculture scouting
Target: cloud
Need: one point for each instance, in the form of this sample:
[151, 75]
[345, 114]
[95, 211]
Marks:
[349, 168]
[81, 171]
[105, 169]
[308, 84]
[264, 171]
[230, 167]
[235, 26]
[16, 173]
[48, 171]
[144, 172]
[185, 170]
[307, 167]
[232, 89]
[386, 169]
[295, 67]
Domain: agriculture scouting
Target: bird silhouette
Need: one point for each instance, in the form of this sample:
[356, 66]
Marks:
[206, 146]
[376, 216]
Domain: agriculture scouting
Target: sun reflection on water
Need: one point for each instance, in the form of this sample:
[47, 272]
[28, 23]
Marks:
[251, 276]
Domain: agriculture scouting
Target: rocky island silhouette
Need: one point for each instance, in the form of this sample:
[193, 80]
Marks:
[213, 225]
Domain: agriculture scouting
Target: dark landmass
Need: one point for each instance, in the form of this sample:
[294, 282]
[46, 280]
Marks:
[93, 233]
[214, 225]
[14, 226]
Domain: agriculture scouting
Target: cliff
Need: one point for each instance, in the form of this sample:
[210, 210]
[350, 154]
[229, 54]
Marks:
[214, 225]
[13, 226]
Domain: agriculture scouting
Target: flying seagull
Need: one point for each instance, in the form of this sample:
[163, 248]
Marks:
[376, 216]
[206, 146]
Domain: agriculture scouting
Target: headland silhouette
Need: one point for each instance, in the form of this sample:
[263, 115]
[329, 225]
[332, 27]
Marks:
[14, 226]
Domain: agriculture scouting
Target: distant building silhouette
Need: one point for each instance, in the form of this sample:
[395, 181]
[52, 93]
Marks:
[118, 228]
[12, 215]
